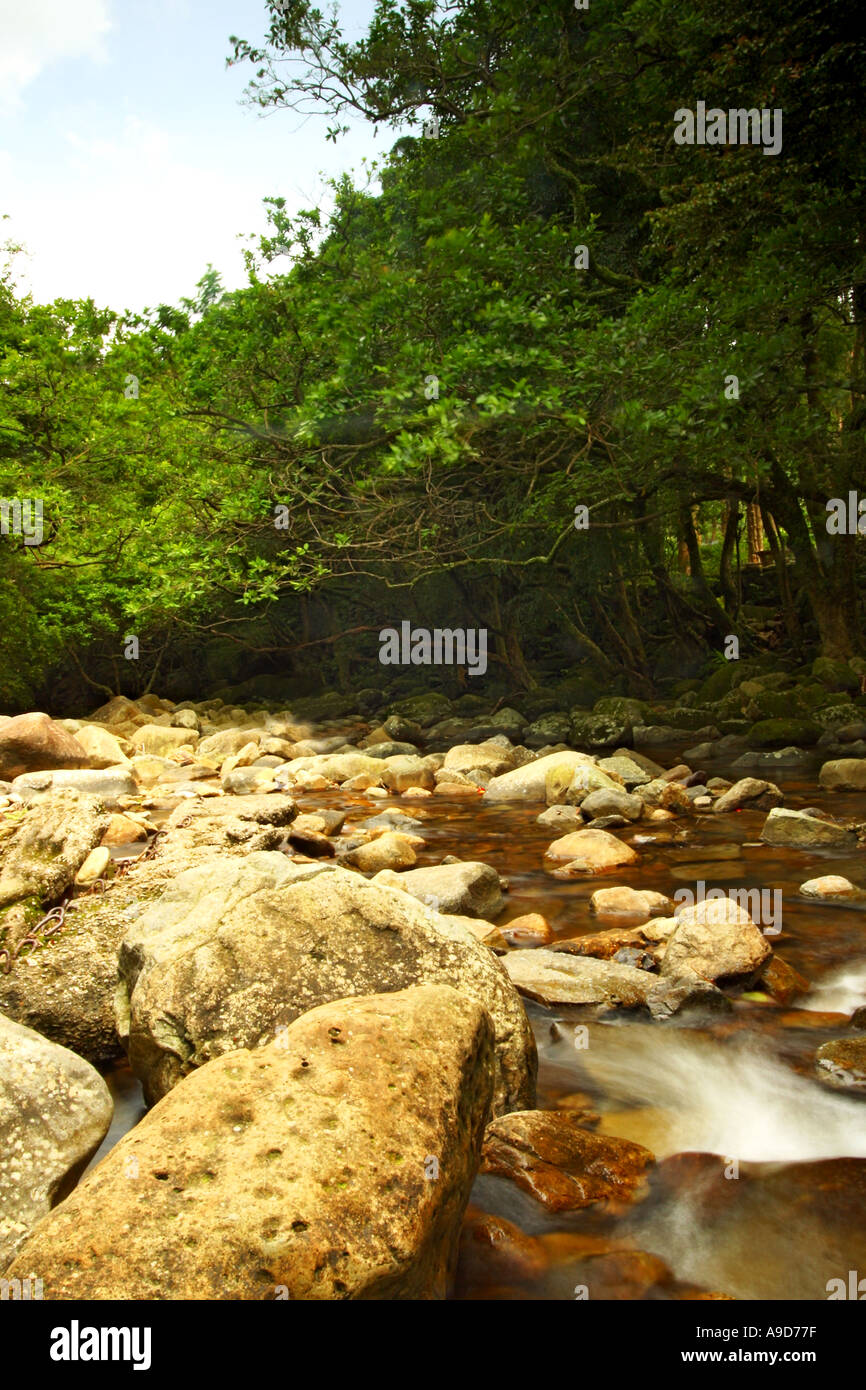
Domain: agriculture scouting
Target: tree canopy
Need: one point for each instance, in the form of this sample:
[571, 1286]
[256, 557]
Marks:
[544, 303]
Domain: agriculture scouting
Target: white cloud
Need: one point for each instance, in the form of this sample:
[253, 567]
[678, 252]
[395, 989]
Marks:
[36, 33]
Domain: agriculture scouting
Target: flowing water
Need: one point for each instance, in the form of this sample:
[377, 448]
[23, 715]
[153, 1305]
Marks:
[757, 1192]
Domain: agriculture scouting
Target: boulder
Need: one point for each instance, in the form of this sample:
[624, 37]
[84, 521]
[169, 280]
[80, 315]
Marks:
[528, 783]
[715, 940]
[334, 1163]
[470, 889]
[119, 710]
[612, 802]
[844, 775]
[530, 929]
[103, 749]
[799, 830]
[591, 851]
[625, 767]
[402, 773]
[779, 733]
[752, 792]
[337, 767]
[631, 902]
[554, 977]
[217, 747]
[122, 830]
[389, 851]
[160, 740]
[236, 948]
[561, 818]
[55, 1110]
[42, 858]
[564, 1166]
[249, 781]
[833, 888]
[109, 784]
[842, 1063]
[473, 757]
[600, 730]
[37, 743]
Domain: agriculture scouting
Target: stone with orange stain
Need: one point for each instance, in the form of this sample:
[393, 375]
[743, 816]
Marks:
[550, 1155]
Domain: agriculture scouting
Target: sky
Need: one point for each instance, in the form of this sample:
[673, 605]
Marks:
[128, 161]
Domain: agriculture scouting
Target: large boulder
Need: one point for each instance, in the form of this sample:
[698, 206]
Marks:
[389, 851]
[478, 757]
[799, 830]
[110, 784]
[334, 1163]
[55, 1110]
[237, 948]
[470, 889]
[716, 940]
[37, 743]
[528, 783]
[844, 775]
[43, 857]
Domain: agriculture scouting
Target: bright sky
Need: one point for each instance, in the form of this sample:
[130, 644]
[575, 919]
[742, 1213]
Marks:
[127, 161]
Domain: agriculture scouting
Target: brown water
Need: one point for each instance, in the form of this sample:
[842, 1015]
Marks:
[740, 1086]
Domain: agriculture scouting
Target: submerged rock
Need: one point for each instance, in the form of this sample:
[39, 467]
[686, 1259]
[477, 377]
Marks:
[566, 1167]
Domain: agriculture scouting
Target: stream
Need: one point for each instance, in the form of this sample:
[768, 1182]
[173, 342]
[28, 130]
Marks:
[754, 1195]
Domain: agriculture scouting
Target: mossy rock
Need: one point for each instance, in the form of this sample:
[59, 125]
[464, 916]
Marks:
[783, 733]
[717, 685]
[622, 707]
[835, 674]
[693, 717]
[837, 716]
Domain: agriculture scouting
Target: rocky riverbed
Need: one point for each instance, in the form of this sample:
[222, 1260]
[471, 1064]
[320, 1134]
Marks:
[441, 1000]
